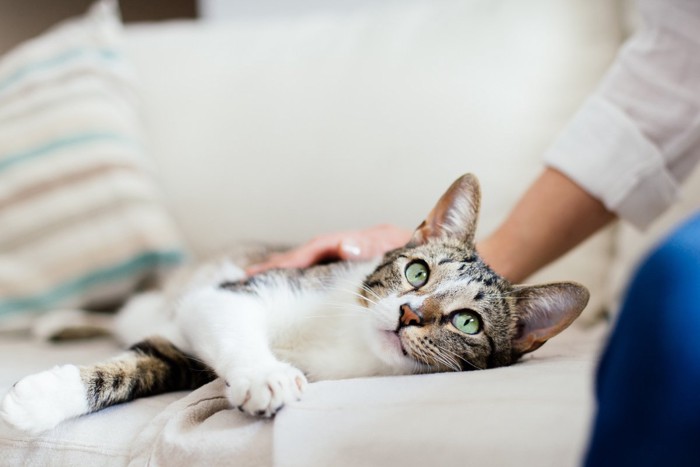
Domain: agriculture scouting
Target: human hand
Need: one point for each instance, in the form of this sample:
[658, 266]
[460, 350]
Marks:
[351, 245]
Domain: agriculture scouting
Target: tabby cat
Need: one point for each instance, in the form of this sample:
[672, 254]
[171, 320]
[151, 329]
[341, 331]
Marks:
[430, 306]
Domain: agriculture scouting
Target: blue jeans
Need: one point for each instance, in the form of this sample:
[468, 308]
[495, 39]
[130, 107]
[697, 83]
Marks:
[648, 382]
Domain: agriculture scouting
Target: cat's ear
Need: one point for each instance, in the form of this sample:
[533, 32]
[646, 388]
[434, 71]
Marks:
[544, 311]
[454, 215]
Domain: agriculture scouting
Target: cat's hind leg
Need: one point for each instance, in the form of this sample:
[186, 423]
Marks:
[41, 401]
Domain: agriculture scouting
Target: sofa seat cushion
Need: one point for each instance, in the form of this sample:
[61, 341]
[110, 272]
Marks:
[537, 409]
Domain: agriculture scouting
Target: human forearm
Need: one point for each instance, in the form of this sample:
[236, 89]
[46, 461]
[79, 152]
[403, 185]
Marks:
[553, 216]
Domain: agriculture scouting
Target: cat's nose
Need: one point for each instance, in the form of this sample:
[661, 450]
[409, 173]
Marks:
[409, 316]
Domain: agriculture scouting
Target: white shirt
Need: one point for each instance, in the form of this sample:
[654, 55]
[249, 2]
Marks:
[637, 137]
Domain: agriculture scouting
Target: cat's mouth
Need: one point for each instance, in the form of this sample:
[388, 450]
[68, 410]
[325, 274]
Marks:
[393, 341]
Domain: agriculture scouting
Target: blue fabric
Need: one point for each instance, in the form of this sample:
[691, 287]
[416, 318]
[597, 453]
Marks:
[648, 382]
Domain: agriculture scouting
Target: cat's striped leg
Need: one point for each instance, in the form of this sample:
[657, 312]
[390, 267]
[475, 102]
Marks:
[41, 401]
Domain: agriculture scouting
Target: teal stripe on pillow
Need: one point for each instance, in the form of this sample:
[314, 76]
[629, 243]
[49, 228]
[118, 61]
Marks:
[58, 60]
[148, 261]
[61, 143]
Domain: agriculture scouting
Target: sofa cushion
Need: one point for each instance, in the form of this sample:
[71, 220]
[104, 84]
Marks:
[539, 409]
[81, 218]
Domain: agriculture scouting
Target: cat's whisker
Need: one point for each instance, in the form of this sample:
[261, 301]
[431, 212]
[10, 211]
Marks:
[461, 358]
[508, 295]
[422, 353]
[341, 305]
[324, 316]
[355, 309]
[347, 312]
[368, 290]
[418, 368]
[444, 359]
[354, 293]
[363, 287]
[450, 355]
[450, 362]
[419, 355]
[361, 310]
[437, 357]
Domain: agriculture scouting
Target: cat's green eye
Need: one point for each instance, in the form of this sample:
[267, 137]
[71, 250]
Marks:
[417, 273]
[466, 321]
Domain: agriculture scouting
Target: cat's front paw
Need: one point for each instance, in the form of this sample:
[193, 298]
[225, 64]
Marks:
[263, 391]
[41, 401]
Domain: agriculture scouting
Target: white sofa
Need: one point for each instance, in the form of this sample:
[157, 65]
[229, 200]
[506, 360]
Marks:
[280, 128]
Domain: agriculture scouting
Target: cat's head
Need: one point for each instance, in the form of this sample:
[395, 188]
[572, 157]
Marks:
[436, 306]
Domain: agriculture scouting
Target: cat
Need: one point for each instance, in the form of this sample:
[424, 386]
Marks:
[430, 306]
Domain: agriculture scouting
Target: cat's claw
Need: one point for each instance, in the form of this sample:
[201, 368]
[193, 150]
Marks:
[264, 391]
[41, 401]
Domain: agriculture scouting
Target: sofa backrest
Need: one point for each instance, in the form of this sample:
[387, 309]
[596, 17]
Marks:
[278, 129]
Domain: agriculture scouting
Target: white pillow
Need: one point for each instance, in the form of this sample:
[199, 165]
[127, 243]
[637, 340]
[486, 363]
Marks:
[81, 218]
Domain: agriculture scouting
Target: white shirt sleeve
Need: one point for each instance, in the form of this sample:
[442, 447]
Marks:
[637, 137]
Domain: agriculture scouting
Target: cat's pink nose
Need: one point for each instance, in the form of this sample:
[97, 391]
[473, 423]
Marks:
[409, 316]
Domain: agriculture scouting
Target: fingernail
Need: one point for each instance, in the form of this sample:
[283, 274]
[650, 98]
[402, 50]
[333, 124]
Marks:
[350, 249]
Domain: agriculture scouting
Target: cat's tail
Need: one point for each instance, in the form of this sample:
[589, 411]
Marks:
[154, 366]
[70, 324]
[143, 315]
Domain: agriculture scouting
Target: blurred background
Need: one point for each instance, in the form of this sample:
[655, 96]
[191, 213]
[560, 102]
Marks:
[277, 120]
[21, 20]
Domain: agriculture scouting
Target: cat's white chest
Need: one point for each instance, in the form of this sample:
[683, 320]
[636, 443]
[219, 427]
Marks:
[326, 337]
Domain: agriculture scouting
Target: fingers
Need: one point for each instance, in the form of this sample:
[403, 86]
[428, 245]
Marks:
[372, 242]
[300, 257]
[355, 245]
[360, 247]
[349, 248]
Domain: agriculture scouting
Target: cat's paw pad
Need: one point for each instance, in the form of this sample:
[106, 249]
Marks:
[41, 401]
[264, 391]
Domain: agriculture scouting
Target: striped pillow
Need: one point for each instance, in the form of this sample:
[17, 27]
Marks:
[81, 221]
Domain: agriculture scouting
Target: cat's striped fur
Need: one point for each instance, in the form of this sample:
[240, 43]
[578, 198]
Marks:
[153, 366]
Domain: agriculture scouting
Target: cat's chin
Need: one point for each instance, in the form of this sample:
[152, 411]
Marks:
[392, 342]
[386, 345]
